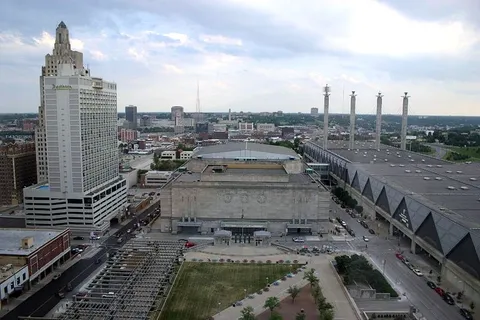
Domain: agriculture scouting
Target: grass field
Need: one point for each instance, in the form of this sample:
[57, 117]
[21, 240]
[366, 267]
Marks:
[203, 289]
[472, 152]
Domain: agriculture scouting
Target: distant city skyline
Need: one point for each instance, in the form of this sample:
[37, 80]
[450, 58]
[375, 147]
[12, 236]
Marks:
[255, 56]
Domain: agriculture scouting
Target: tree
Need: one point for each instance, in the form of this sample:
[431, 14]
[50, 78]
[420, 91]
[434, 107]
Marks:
[301, 316]
[247, 313]
[275, 316]
[328, 314]
[293, 291]
[310, 277]
[271, 303]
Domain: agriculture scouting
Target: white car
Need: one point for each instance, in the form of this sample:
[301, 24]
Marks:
[417, 272]
[365, 239]
[298, 239]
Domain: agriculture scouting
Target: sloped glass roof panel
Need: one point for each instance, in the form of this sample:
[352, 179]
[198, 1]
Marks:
[418, 213]
[394, 197]
[449, 232]
[376, 188]
[362, 179]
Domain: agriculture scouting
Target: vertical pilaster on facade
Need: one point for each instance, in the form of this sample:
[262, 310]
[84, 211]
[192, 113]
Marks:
[413, 245]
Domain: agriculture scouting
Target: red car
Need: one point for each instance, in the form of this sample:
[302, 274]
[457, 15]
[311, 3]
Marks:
[399, 255]
[440, 291]
[189, 244]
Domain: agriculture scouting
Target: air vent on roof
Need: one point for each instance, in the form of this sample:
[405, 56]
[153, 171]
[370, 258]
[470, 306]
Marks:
[392, 165]
[426, 178]
[439, 165]
[438, 178]
[408, 171]
[451, 188]
[464, 187]
[418, 171]
[402, 165]
[429, 165]
[473, 179]
[459, 172]
[448, 171]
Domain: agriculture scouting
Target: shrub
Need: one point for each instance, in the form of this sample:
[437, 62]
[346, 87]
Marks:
[287, 261]
[252, 261]
[229, 260]
[266, 289]
[221, 260]
[245, 260]
[259, 261]
[269, 261]
[284, 278]
[259, 292]
[280, 261]
[295, 261]
[237, 261]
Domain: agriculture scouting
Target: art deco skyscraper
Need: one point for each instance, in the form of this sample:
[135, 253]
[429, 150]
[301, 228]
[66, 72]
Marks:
[62, 53]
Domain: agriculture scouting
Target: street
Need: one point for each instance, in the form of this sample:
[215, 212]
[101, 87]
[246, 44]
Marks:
[382, 253]
[40, 303]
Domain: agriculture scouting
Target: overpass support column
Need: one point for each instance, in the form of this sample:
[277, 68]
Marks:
[390, 229]
[413, 245]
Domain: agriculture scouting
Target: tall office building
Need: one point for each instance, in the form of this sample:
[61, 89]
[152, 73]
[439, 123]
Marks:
[62, 53]
[131, 116]
[84, 189]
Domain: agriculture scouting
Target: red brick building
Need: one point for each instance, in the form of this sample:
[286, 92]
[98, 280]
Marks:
[42, 250]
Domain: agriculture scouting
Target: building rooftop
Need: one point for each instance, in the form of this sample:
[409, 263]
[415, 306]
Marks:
[11, 239]
[234, 150]
[300, 178]
[365, 152]
[451, 188]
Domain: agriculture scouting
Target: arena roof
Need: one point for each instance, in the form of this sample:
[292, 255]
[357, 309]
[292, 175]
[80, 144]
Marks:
[436, 200]
[10, 240]
[234, 150]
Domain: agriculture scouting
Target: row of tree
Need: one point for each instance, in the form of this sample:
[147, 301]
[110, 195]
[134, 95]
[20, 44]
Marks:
[325, 309]
[344, 197]
[455, 156]
[165, 165]
[356, 269]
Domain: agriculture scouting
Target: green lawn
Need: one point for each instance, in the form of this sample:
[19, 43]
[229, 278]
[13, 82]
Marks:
[472, 152]
[201, 286]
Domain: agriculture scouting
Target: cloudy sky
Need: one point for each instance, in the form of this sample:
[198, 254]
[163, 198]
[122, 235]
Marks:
[254, 55]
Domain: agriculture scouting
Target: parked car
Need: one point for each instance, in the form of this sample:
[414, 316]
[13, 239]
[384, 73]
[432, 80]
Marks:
[298, 239]
[365, 239]
[57, 276]
[417, 272]
[78, 238]
[449, 299]
[119, 240]
[399, 255]
[440, 291]
[431, 284]
[466, 314]
[371, 231]
[60, 294]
